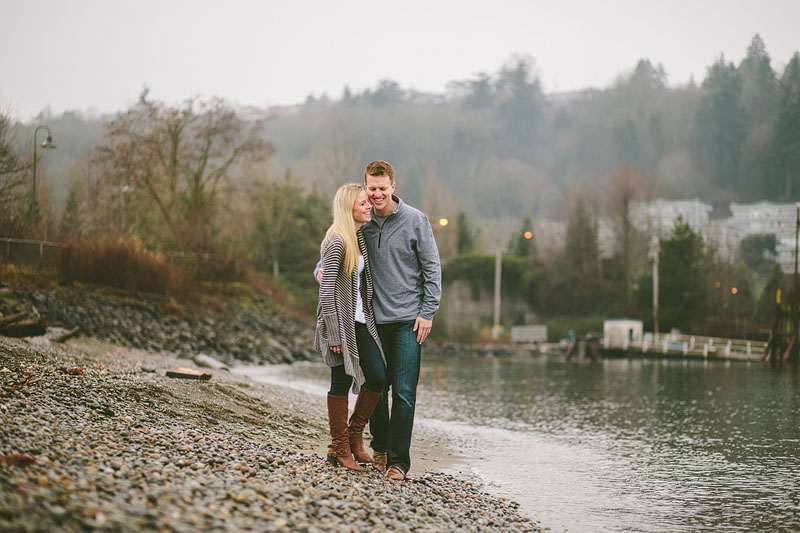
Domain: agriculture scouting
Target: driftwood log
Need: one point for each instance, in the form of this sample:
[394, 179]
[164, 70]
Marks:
[28, 328]
[24, 324]
[67, 335]
[8, 320]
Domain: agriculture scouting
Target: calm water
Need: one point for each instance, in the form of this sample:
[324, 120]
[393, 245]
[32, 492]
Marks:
[622, 445]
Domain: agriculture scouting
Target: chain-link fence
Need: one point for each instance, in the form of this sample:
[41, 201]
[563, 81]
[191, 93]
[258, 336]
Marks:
[37, 254]
[42, 255]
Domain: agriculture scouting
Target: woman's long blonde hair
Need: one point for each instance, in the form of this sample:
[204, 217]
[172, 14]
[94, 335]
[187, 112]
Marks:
[344, 226]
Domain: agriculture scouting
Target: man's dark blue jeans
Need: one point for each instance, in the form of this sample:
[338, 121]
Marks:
[392, 433]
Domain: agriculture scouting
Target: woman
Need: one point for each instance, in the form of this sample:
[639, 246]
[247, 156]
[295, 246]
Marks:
[346, 334]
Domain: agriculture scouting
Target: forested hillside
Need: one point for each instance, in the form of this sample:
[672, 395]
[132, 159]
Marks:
[495, 155]
[498, 147]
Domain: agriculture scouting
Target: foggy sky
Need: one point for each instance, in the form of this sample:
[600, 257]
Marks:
[95, 54]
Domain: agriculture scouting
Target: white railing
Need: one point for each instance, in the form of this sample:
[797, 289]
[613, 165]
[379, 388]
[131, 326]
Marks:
[688, 346]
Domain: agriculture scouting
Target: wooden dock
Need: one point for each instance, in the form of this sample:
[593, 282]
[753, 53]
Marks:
[678, 345]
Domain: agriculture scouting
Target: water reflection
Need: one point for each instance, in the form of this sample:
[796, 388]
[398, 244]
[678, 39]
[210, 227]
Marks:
[671, 444]
[624, 445]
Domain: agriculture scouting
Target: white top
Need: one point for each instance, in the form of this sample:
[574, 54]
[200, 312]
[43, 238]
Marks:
[359, 303]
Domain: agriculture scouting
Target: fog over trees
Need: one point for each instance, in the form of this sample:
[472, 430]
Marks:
[494, 154]
[501, 148]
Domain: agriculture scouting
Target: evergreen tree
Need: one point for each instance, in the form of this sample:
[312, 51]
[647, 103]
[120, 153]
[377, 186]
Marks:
[576, 281]
[466, 236]
[388, 92]
[481, 94]
[721, 123]
[785, 144]
[521, 104]
[648, 76]
[683, 286]
[581, 252]
[759, 83]
[758, 252]
[523, 243]
[70, 218]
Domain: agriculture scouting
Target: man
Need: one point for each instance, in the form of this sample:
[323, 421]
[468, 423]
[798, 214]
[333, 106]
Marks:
[407, 283]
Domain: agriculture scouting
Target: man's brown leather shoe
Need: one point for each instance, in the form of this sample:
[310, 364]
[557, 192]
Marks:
[379, 461]
[395, 473]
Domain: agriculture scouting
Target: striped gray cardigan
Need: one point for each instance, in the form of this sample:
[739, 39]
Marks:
[336, 309]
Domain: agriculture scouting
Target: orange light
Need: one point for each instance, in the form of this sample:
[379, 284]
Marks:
[443, 222]
[528, 235]
[718, 284]
[734, 290]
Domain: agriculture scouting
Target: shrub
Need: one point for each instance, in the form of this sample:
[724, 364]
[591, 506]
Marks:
[213, 267]
[118, 264]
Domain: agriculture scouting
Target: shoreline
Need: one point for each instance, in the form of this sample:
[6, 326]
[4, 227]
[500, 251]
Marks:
[114, 444]
[432, 449]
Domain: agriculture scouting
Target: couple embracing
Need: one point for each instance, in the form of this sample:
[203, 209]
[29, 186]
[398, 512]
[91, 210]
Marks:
[377, 245]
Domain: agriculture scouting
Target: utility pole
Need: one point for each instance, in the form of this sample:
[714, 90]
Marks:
[791, 354]
[498, 267]
[656, 252]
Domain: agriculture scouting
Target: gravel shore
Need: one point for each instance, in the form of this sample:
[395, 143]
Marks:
[94, 436]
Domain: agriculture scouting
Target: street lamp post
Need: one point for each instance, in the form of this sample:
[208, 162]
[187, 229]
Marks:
[120, 190]
[47, 144]
[656, 252]
[438, 226]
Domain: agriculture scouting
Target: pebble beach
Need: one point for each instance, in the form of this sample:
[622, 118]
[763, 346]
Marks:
[94, 436]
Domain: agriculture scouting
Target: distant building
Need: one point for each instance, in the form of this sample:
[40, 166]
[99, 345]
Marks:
[654, 218]
[621, 331]
[659, 216]
[763, 218]
[767, 218]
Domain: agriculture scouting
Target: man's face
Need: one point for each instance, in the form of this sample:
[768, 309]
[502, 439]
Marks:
[379, 190]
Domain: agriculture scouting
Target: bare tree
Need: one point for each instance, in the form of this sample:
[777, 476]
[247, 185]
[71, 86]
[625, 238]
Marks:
[175, 159]
[338, 159]
[624, 187]
[274, 205]
[12, 178]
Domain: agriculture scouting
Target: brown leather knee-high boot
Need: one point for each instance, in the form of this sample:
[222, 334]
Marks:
[365, 404]
[339, 448]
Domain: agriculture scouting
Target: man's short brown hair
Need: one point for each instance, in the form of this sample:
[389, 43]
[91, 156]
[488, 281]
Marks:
[379, 168]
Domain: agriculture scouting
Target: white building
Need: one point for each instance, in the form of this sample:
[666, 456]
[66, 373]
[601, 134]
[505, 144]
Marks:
[763, 218]
[654, 218]
[659, 216]
[767, 218]
[621, 331]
